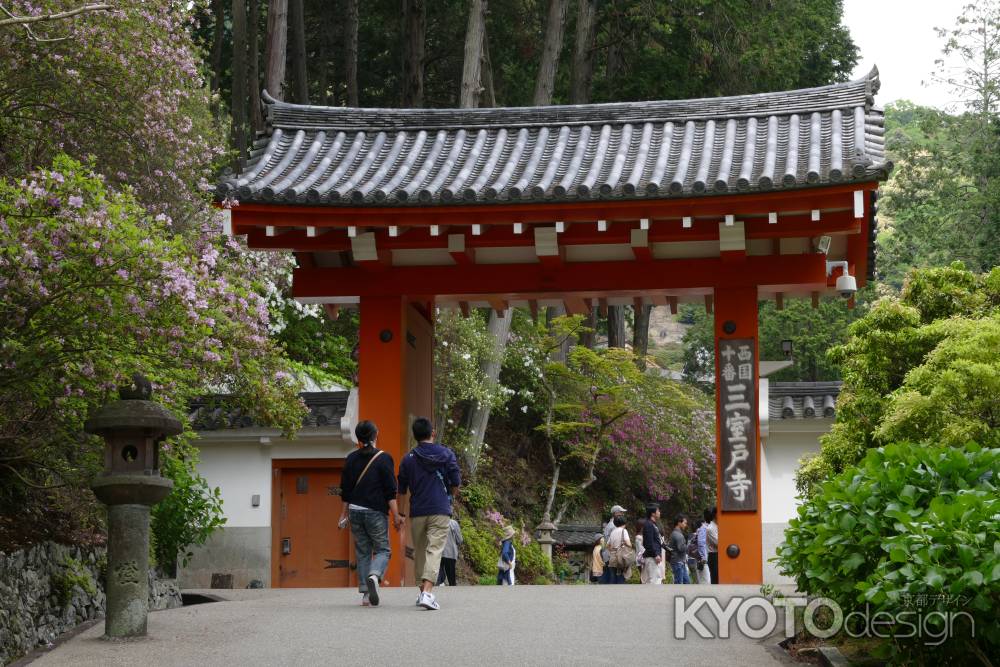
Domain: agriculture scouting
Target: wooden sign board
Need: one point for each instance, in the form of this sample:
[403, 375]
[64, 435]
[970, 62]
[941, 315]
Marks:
[738, 423]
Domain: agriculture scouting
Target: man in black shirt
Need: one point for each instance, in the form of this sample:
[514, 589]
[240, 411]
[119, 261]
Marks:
[652, 543]
[368, 489]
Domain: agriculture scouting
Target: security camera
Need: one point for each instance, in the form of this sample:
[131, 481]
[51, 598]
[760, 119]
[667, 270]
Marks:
[847, 286]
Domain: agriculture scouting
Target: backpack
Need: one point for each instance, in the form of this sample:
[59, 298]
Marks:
[693, 547]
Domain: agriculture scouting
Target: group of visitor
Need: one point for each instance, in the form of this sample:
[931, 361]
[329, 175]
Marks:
[369, 486]
[693, 556]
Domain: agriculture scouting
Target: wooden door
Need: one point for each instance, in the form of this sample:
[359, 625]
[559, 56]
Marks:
[308, 550]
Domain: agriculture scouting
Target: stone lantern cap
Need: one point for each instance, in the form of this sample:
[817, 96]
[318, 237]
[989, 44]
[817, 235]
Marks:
[134, 410]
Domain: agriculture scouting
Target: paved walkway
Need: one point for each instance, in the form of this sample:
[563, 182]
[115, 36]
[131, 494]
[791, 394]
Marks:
[524, 625]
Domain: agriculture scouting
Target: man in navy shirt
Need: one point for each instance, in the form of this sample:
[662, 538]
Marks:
[429, 472]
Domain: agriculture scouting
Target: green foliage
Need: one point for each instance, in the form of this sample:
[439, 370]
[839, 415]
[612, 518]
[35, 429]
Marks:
[189, 515]
[921, 367]
[532, 565]
[322, 345]
[94, 288]
[462, 346]
[909, 520]
[74, 574]
[477, 496]
[811, 330]
[481, 548]
[481, 545]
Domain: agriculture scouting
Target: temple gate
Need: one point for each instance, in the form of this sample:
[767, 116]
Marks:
[722, 201]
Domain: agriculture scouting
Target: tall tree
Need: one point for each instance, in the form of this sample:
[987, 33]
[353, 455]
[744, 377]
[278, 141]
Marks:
[616, 326]
[253, 71]
[218, 37]
[276, 48]
[239, 94]
[472, 84]
[583, 52]
[351, 21]
[640, 334]
[296, 15]
[414, 29]
[551, 48]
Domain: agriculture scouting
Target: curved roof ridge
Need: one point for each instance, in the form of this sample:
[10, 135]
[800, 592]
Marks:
[702, 147]
[859, 92]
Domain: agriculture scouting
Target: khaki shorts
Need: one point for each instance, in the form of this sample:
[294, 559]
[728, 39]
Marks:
[429, 534]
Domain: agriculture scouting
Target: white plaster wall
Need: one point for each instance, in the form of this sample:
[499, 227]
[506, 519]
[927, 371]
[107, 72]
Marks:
[242, 469]
[787, 442]
[779, 461]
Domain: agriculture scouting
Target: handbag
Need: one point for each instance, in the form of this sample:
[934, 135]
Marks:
[623, 555]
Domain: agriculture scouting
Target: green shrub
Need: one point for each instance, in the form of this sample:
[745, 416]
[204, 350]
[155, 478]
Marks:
[908, 523]
[73, 574]
[481, 545]
[532, 565]
[478, 497]
[188, 516]
[481, 548]
[487, 580]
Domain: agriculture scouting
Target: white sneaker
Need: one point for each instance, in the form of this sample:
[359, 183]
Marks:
[428, 601]
[373, 589]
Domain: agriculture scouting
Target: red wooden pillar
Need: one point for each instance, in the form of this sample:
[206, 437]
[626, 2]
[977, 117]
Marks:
[395, 385]
[736, 318]
[381, 384]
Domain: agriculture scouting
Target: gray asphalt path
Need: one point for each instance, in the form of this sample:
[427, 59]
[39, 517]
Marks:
[524, 625]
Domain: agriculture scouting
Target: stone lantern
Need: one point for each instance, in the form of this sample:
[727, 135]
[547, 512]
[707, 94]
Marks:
[132, 428]
[545, 529]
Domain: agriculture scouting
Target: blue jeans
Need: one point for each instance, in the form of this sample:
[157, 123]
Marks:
[681, 575]
[371, 544]
[616, 576]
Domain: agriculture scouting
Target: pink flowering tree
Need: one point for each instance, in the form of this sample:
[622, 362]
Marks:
[670, 459]
[94, 288]
[123, 87]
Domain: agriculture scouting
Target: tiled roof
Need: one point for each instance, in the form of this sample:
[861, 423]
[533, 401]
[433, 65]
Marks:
[575, 535]
[212, 414]
[802, 400]
[654, 150]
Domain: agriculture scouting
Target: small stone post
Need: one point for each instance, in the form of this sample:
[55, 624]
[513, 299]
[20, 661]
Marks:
[545, 529]
[133, 428]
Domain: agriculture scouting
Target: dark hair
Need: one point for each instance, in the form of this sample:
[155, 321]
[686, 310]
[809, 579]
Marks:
[619, 521]
[679, 520]
[710, 514]
[651, 510]
[640, 522]
[366, 432]
[697, 524]
[422, 429]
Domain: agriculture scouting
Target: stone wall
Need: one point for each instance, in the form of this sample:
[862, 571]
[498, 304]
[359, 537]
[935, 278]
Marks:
[50, 588]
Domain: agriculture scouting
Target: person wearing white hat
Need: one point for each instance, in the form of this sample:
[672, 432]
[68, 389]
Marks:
[616, 511]
[508, 558]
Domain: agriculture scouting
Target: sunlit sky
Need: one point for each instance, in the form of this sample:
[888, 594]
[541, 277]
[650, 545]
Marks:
[898, 36]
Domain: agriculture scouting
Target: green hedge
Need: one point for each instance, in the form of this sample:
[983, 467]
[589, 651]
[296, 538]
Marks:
[481, 548]
[911, 528]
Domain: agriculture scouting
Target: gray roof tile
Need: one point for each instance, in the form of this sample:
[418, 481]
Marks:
[802, 400]
[216, 412]
[726, 145]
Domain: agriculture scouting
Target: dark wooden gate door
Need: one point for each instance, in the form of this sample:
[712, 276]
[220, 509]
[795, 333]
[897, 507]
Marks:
[308, 549]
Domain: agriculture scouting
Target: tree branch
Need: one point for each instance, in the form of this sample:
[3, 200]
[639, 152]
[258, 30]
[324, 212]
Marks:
[25, 20]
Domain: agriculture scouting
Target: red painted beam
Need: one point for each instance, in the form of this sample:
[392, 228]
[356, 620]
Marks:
[826, 197]
[500, 236]
[588, 278]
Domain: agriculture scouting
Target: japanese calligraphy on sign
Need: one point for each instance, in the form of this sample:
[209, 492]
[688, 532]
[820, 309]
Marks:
[738, 423]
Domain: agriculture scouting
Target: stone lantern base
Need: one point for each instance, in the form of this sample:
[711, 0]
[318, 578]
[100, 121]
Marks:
[129, 498]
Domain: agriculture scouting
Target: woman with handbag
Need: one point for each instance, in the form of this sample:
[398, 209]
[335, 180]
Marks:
[622, 553]
[508, 558]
